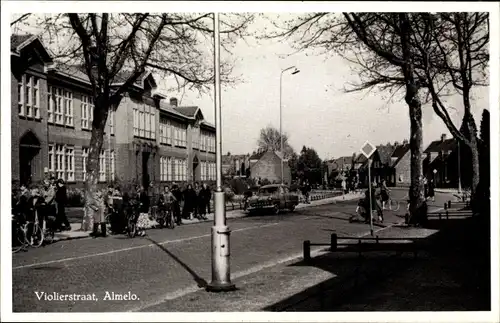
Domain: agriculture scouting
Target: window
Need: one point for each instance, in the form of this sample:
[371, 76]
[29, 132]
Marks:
[169, 169]
[102, 166]
[68, 108]
[111, 121]
[145, 121]
[136, 122]
[196, 138]
[59, 161]
[165, 132]
[28, 96]
[60, 106]
[69, 162]
[203, 171]
[87, 107]
[62, 161]
[164, 169]
[85, 155]
[112, 165]
[51, 158]
[169, 133]
[184, 170]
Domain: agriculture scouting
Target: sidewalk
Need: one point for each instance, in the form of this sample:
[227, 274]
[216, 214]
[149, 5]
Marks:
[453, 274]
[76, 233]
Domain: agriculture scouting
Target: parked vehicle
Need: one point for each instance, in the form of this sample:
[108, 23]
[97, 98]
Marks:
[274, 197]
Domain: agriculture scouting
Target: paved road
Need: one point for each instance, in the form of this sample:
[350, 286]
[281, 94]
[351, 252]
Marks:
[167, 263]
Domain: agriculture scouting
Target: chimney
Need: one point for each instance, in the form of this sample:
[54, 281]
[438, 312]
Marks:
[173, 101]
[443, 137]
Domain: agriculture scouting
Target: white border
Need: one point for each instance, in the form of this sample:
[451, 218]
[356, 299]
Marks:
[139, 6]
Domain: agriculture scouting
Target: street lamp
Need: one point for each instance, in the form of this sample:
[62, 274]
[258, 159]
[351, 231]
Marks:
[295, 71]
[221, 276]
[459, 170]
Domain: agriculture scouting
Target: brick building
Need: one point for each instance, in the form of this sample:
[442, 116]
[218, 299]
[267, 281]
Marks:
[146, 139]
[267, 165]
[441, 162]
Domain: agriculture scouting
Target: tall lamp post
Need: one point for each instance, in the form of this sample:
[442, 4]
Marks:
[221, 276]
[459, 170]
[281, 115]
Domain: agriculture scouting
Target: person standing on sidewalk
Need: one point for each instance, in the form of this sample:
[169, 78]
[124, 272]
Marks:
[189, 202]
[143, 219]
[198, 200]
[97, 209]
[61, 199]
[431, 190]
[205, 197]
[177, 204]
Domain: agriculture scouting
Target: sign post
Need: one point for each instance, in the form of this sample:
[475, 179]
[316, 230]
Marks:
[368, 149]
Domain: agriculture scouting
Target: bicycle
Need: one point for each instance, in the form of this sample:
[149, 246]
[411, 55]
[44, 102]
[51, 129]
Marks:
[19, 240]
[132, 216]
[166, 216]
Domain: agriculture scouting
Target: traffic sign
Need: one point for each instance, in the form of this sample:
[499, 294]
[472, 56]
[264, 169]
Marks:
[368, 149]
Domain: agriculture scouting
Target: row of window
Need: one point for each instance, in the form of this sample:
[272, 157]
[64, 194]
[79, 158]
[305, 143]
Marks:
[172, 132]
[62, 162]
[173, 169]
[60, 112]
[208, 171]
[87, 109]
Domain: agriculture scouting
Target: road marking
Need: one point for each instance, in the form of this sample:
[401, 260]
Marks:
[317, 251]
[136, 247]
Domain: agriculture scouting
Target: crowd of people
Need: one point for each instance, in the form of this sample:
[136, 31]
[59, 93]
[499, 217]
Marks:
[192, 202]
[46, 201]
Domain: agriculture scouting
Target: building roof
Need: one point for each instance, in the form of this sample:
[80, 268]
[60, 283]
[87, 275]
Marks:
[347, 160]
[189, 111]
[257, 155]
[400, 152]
[385, 153]
[18, 40]
[441, 145]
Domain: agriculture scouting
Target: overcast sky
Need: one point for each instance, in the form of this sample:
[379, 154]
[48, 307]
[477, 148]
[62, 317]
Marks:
[316, 110]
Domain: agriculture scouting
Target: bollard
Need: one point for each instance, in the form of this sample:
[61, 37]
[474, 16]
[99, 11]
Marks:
[449, 204]
[407, 218]
[376, 239]
[333, 242]
[447, 215]
[439, 216]
[445, 205]
[307, 251]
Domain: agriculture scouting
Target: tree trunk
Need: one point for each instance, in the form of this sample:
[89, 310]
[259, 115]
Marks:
[416, 192]
[418, 207]
[96, 141]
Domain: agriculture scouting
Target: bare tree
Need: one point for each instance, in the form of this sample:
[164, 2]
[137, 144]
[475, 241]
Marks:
[270, 140]
[379, 46]
[459, 56]
[116, 49]
[425, 56]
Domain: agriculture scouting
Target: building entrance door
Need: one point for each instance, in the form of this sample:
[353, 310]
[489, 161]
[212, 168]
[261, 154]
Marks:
[29, 149]
[196, 162]
[145, 168]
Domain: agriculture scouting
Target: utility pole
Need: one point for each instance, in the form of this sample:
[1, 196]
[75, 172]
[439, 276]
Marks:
[221, 275]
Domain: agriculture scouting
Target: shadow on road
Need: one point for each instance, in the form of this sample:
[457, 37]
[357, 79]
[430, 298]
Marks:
[202, 283]
[450, 272]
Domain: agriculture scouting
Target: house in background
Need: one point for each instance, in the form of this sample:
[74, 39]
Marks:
[267, 165]
[441, 162]
[235, 165]
[400, 163]
[385, 169]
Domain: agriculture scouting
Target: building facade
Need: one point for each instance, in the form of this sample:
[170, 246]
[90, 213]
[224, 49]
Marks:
[146, 139]
[267, 165]
[401, 164]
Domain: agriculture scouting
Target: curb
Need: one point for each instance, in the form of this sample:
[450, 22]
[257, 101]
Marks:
[203, 221]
